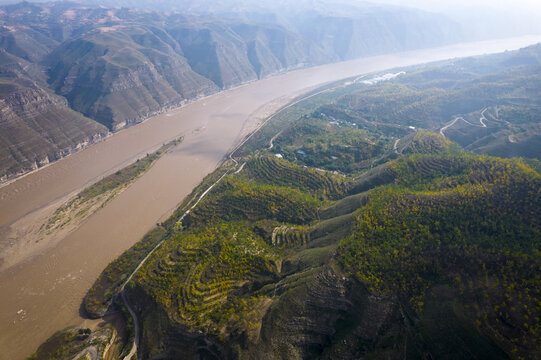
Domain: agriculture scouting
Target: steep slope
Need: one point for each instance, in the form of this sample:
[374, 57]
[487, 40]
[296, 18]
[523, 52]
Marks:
[36, 126]
[270, 49]
[239, 52]
[341, 29]
[375, 281]
[107, 75]
[352, 33]
[230, 52]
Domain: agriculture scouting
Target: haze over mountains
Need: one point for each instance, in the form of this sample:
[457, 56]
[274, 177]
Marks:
[70, 74]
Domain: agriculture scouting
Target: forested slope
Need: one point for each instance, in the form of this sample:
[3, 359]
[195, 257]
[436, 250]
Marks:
[451, 235]
[318, 265]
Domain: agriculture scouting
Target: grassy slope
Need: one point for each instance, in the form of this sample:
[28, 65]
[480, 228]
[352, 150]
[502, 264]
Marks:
[469, 224]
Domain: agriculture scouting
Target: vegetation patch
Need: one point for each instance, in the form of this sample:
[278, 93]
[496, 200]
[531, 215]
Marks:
[74, 343]
[237, 199]
[331, 141]
[273, 171]
[478, 233]
[203, 279]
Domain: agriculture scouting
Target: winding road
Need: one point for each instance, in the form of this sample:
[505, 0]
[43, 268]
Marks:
[483, 118]
[442, 130]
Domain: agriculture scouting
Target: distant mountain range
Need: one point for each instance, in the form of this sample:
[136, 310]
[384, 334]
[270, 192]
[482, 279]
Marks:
[70, 74]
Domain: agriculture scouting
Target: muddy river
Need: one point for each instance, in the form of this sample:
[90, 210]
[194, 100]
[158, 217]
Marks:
[42, 284]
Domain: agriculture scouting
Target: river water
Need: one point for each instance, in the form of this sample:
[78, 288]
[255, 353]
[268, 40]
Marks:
[43, 291]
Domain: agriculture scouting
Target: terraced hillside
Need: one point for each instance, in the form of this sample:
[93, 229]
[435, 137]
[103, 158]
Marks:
[262, 268]
[237, 199]
[274, 171]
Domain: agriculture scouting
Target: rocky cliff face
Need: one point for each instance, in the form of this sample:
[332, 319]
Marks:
[37, 128]
[109, 77]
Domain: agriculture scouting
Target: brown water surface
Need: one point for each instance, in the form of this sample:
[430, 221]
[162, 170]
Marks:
[43, 292]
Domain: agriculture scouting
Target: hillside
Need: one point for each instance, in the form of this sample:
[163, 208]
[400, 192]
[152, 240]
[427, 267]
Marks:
[346, 229]
[288, 260]
[487, 104]
[119, 66]
[36, 126]
[447, 235]
[108, 76]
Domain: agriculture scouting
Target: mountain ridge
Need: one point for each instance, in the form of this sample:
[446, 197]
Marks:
[120, 66]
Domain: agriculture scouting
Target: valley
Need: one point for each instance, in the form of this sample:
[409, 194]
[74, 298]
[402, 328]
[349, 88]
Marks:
[72, 74]
[220, 120]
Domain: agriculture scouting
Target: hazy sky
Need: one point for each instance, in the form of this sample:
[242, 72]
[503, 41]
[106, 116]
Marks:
[434, 5]
[513, 7]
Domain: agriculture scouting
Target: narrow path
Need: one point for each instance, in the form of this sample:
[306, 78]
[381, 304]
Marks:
[240, 169]
[442, 130]
[133, 350]
[271, 145]
[511, 138]
[395, 146]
